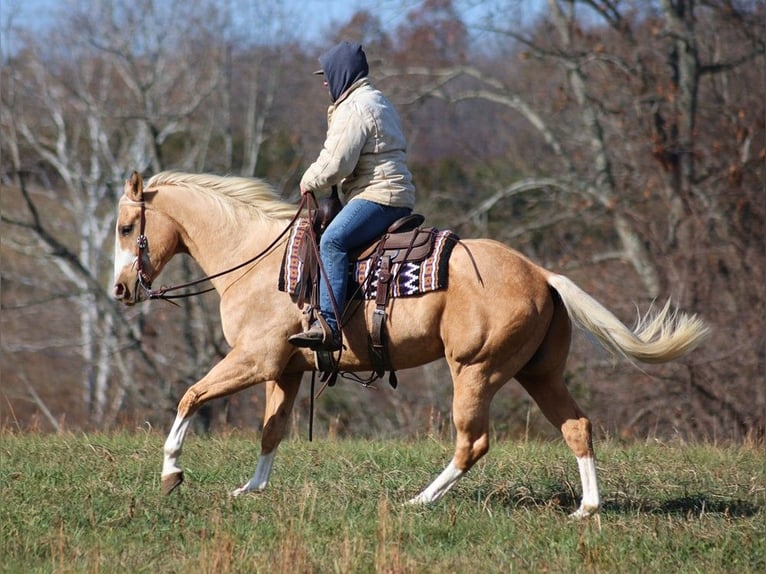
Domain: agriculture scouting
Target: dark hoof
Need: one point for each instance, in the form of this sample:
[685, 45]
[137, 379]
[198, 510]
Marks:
[171, 482]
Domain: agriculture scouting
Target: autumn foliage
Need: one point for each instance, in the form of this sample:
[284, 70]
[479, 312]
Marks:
[621, 143]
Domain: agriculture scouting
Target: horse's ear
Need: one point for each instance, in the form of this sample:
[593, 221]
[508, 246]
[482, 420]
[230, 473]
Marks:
[134, 187]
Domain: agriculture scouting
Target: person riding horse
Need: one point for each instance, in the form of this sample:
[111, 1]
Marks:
[365, 153]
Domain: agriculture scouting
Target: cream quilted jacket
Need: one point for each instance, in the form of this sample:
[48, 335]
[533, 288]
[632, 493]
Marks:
[365, 151]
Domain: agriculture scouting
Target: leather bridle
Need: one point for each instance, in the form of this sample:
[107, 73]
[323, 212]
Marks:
[145, 282]
[143, 247]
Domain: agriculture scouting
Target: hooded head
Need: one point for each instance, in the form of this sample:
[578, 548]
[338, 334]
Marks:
[342, 65]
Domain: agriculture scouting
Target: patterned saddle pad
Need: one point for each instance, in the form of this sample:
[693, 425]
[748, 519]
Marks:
[409, 278]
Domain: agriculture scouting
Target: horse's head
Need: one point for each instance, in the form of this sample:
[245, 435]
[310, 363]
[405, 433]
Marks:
[145, 240]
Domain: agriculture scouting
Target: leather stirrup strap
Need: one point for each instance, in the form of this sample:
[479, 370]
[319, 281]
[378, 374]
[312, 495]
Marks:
[379, 358]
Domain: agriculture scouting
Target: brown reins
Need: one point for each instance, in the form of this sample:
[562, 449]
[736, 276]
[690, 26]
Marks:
[162, 293]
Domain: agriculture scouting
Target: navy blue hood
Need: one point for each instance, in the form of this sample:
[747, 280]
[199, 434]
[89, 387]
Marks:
[342, 65]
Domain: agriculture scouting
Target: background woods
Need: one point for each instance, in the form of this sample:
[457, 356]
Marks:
[621, 143]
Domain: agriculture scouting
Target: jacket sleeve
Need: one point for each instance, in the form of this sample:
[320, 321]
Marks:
[346, 137]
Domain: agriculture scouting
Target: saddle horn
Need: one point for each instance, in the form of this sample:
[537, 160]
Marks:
[327, 208]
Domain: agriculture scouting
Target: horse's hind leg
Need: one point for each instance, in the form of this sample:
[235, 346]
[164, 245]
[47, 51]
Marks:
[280, 397]
[543, 379]
[470, 411]
[558, 406]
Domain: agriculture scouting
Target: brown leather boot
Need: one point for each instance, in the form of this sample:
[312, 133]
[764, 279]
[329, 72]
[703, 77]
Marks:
[318, 337]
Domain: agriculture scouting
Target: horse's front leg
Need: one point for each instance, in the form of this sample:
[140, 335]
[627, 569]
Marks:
[235, 372]
[172, 473]
[280, 398]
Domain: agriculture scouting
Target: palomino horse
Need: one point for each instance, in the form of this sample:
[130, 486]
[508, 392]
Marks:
[501, 317]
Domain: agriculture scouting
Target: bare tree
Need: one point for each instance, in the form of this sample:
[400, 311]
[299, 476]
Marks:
[629, 100]
[619, 141]
[112, 100]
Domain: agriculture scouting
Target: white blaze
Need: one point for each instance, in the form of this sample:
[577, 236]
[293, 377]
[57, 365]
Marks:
[122, 258]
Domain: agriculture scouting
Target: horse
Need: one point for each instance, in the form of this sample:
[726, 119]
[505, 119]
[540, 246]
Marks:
[501, 317]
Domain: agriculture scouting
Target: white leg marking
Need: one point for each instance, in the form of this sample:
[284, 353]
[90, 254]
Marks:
[439, 487]
[590, 499]
[260, 478]
[173, 446]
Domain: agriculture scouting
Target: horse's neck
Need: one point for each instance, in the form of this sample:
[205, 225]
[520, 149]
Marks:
[215, 241]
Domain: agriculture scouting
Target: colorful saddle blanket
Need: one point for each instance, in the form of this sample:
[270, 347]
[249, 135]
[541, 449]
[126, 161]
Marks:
[408, 277]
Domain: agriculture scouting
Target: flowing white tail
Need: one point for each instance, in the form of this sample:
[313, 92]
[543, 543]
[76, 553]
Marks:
[658, 337]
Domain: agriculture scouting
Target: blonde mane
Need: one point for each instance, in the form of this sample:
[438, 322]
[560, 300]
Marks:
[230, 193]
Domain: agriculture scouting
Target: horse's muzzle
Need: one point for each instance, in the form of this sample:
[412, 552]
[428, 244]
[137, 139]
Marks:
[123, 294]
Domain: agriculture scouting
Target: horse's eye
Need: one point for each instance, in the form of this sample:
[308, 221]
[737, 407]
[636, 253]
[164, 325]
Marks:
[126, 230]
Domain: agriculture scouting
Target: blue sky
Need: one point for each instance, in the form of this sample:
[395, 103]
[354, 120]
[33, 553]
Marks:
[312, 18]
[318, 14]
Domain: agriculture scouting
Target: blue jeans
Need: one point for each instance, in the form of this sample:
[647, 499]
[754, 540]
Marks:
[357, 224]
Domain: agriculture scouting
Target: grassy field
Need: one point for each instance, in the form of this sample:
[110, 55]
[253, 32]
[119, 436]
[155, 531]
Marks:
[92, 503]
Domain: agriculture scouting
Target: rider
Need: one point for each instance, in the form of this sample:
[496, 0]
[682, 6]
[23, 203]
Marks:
[365, 153]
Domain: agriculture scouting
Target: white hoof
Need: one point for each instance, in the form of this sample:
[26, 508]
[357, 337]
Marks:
[246, 489]
[584, 512]
[238, 491]
[418, 500]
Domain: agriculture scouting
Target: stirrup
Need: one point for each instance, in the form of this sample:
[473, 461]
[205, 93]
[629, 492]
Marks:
[318, 337]
[330, 341]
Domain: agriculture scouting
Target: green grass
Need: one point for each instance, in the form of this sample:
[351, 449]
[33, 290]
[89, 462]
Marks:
[92, 503]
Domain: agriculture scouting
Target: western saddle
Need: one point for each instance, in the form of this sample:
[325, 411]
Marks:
[404, 240]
